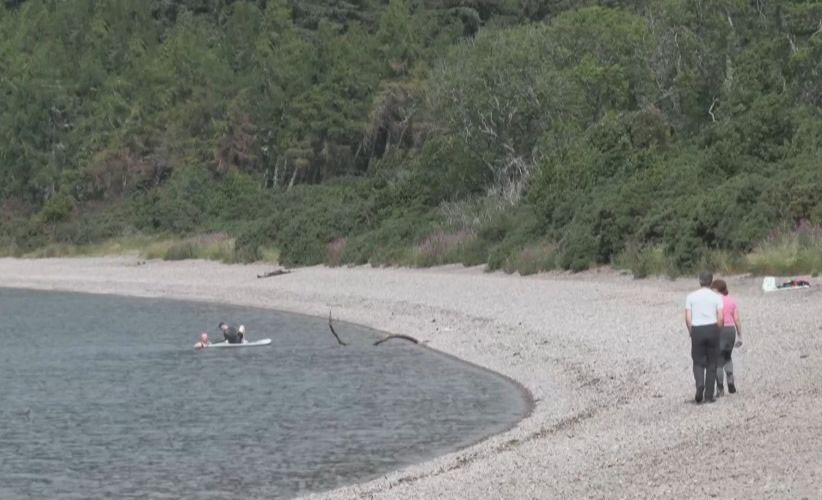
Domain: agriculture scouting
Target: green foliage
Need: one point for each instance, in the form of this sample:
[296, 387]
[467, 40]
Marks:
[180, 251]
[250, 242]
[528, 135]
[532, 259]
[789, 251]
[643, 261]
[57, 209]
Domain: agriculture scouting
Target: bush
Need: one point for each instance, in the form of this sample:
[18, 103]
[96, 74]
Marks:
[307, 218]
[250, 241]
[441, 248]
[642, 261]
[391, 242]
[578, 248]
[58, 208]
[334, 252]
[789, 251]
[532, 259]
[180, 251]
[214, 246]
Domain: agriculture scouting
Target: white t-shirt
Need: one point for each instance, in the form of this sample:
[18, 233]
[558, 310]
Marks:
[703, 304]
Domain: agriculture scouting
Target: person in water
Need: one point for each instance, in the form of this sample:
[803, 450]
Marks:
[703, 319]
[730, 336]
[241, 333]
[203, 341]
[230, 334]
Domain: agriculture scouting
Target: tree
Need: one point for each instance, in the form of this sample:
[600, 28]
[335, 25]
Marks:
[397, 35]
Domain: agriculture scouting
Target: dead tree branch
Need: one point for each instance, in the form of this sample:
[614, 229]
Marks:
[711, 109]
[276, 272]
[333, 332]
[403, 337]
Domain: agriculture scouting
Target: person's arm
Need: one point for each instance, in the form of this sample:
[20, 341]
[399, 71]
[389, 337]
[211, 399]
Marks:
[720, 310]
[738, 323]
[688, 320]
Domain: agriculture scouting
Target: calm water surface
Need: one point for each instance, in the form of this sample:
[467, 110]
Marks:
[103, 397]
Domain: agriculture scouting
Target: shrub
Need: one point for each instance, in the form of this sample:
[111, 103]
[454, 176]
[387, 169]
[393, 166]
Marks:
[391, 242]
[180, 251]
[789, 251]
[250, 241]
[532, 259]
[578, 248]
[441, 248]
[334, 252]
[211, 246]
[642, 260]
[306, 219]
[58, 208]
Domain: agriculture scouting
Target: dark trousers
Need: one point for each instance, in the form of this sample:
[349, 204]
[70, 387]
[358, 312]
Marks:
[704, 352]
[725, 364]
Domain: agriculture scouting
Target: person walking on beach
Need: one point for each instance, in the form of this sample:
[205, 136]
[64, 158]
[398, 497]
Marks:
[704, 318]
[730, 335]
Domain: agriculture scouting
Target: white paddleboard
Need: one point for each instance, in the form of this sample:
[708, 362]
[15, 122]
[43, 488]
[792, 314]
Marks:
[255, 343]
[769, 285]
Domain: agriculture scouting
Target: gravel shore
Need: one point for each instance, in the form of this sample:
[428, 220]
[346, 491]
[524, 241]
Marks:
[606, 359]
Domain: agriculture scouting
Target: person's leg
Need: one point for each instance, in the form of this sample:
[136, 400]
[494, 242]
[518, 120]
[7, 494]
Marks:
[711, 353]
[724, 342]
[729, 364]
[720, 376]
[698, 355]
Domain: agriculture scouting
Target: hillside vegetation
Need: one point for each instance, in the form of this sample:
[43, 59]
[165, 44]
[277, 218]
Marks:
[659, 136]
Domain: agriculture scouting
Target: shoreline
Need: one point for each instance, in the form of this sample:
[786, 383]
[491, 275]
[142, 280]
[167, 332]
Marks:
[605, 358]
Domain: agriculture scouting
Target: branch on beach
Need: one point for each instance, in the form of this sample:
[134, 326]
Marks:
[333, 332]
[276, 272]
[403, 337]
[339, 340]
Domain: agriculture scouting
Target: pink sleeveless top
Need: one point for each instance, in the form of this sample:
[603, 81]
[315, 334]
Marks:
[729, 308]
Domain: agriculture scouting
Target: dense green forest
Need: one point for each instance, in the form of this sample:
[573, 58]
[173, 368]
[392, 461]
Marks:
[659, 136]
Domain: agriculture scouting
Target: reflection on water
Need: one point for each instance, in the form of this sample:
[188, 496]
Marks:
[103, 396]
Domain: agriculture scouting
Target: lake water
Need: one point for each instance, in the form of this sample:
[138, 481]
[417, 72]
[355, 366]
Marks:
[103, 396]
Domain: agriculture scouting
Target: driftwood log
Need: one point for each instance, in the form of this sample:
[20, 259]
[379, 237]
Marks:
[276, 272]
[403, 337]
[386, 339]
[333, 332]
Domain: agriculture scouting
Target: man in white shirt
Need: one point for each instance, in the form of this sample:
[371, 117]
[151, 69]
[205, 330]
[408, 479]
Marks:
[703, 318]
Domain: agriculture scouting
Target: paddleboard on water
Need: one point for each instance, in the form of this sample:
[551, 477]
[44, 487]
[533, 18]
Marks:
[256, 343]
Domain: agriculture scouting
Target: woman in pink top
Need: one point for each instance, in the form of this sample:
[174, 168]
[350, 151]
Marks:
[727, 338]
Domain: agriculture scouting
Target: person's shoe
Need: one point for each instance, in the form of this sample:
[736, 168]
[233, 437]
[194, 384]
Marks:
[720, 390]
[699, 393]
[710, 400]
[732, 388]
